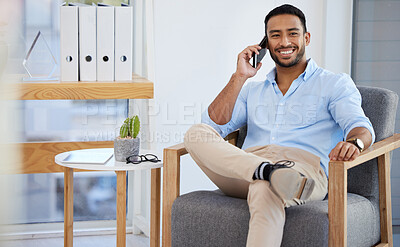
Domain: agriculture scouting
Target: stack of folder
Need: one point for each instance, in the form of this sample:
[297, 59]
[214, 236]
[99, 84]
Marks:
[96, 42]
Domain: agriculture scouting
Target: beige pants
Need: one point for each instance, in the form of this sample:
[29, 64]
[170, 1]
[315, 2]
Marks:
[231, 169]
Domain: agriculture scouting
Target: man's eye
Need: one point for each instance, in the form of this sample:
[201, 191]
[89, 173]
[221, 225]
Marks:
[293, 34]
[274, 35]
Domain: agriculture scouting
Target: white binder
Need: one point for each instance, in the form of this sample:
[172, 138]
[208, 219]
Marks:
[69, 43]
[123, 43]
[105, 42]
[87, 42]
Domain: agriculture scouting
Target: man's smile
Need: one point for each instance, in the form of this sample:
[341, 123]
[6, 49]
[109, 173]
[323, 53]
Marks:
[286, 52]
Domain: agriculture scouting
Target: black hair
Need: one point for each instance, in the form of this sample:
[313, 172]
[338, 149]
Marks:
[286, 9]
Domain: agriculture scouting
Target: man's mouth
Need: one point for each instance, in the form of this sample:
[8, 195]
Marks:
[286, 52]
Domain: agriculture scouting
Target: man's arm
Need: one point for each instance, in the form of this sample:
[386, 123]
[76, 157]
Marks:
[220, 110]
[346, 151]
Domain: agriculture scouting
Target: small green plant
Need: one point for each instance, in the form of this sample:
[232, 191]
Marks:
[130, 127]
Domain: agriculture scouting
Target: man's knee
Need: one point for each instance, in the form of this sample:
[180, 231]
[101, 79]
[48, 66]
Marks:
[198, 133]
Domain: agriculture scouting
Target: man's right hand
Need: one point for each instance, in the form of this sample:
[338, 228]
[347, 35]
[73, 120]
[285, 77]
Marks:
[244, 68]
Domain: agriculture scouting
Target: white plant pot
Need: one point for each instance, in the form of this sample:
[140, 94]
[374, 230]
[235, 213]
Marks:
[123, 148]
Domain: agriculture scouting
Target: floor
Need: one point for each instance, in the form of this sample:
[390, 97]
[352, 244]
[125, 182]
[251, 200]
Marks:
[110, 241]
[81, 241]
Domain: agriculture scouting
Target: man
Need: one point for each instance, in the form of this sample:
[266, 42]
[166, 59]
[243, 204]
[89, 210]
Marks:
[297, 119]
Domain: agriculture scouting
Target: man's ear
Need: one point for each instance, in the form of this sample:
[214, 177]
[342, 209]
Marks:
[307, 36]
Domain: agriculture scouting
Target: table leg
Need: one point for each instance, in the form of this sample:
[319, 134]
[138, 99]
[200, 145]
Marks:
[121, 208]
[68, 207]
[155, 207]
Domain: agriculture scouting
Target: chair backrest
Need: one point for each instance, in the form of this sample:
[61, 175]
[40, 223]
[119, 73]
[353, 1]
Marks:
[380, 107]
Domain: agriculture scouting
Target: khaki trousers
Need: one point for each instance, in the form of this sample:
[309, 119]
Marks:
[231, 170]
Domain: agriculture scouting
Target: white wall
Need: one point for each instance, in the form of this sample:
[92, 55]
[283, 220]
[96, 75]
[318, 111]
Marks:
[196, 45]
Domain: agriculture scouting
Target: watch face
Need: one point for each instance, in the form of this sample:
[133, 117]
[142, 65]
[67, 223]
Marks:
[359, 143]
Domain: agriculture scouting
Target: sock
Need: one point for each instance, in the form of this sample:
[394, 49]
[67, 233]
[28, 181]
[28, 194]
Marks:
[263, 171]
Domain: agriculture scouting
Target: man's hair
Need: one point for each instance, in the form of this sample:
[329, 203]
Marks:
[286, 9]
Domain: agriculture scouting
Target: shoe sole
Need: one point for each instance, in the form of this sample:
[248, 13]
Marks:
[289, 184]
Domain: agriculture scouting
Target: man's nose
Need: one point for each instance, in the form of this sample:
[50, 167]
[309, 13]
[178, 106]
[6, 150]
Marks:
[285, 41]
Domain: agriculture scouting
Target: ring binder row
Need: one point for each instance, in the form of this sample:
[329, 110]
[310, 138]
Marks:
[96, 42]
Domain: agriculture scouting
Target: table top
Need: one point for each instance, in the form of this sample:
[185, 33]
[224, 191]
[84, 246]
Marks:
[110, 165]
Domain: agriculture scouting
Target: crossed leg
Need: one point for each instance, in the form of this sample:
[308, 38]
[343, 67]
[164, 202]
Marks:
[231, 169]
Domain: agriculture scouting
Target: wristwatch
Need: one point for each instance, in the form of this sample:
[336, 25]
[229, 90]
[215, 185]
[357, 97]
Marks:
[357, 142]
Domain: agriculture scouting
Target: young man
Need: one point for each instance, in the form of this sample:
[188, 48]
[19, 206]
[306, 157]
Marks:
[296, 121]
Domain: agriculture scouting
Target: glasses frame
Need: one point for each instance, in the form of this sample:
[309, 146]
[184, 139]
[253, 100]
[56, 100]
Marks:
[143, 158]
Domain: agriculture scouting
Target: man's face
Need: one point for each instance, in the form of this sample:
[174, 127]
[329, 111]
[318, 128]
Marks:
[287, 40]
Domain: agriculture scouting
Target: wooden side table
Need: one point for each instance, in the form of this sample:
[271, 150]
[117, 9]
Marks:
[120, 169]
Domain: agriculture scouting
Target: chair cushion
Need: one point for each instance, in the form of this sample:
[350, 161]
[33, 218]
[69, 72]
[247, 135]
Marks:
[209, 218]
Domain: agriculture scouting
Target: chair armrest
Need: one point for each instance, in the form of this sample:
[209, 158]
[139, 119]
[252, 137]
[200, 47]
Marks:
[376, 150]
[337, 191]
[179, 149]
[232, 137]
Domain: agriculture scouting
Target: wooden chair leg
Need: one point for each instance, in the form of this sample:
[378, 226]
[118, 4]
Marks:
[385, 204]
[337, 205]
[171, 176]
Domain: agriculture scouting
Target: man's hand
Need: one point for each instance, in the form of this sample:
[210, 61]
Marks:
[244, 68]
[344, 151]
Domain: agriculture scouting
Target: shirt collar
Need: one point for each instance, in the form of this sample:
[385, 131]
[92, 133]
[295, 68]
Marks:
[310, 69]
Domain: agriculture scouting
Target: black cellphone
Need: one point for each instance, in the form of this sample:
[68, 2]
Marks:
[256, 59]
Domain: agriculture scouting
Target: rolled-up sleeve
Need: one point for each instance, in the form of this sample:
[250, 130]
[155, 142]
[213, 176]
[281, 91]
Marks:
[345, 106]
[239, 115]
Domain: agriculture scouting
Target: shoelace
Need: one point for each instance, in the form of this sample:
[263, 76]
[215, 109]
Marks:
[284, 164]
[268, 168]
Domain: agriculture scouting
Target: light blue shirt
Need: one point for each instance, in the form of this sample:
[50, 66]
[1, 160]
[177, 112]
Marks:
[318, 111]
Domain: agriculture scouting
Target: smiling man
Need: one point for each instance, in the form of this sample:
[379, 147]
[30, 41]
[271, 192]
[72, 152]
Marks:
[298, 118]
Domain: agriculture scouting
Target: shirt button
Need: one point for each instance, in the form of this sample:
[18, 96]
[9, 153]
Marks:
[273, 138]
[281, 104]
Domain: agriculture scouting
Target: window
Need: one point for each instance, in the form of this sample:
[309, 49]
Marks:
[40, 198]
[376, 62]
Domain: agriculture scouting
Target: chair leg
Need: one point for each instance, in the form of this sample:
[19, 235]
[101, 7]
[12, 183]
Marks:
[337, 204]
[171, 176]
[385, 204]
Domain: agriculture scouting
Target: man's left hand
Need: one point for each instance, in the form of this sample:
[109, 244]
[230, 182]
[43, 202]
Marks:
[344, 151]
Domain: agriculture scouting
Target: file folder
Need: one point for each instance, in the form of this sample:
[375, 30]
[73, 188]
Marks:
[105, 42]
[69, 43]
[123, 43]
[87, 42]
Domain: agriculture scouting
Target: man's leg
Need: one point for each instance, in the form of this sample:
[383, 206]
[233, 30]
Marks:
[212, 154]
[208, 149]
[232, 169]
[267, 216]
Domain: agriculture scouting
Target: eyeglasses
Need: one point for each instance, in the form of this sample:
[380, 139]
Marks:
[136, 159]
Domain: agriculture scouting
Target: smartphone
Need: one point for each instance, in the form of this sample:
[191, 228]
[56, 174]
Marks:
[256, 59]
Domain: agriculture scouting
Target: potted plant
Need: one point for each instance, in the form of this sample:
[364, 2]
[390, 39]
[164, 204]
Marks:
[128, 142]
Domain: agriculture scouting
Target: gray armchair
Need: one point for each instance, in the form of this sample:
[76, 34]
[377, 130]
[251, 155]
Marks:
[357, 213]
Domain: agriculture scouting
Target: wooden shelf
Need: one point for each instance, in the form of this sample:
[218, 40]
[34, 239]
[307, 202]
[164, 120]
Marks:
[38, 157]
[138, 88]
